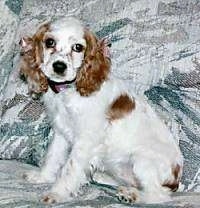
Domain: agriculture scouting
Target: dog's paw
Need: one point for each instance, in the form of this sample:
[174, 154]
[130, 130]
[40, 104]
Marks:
[52, 198]
[37, 177]
[127, 195]
[35, 96]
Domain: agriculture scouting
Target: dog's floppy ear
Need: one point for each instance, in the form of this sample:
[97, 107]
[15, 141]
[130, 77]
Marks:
[38, 38]
[92, 43]
[31, 58]
[95, 68]
[43, 28]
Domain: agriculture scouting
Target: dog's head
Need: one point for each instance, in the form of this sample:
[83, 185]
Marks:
[71, 53]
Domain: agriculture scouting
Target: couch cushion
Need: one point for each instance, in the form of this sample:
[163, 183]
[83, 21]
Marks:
[15, 192]
[155, 49]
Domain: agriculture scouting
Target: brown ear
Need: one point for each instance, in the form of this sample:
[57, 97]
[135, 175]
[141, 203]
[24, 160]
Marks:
[95, 68]
[31, 60]
[38, 38]
[43, 28]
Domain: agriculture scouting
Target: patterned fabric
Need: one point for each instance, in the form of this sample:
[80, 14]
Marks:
[17, 193]
[155, 49]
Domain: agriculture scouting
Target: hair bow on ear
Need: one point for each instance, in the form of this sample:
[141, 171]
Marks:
[26, 44]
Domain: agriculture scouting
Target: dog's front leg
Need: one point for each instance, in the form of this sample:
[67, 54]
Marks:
[72, 177]
[55, 159]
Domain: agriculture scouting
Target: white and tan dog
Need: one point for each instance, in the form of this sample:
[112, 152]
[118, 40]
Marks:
[99, 127]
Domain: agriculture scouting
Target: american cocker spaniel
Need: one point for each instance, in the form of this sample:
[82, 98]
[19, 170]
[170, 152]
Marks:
[100, 128]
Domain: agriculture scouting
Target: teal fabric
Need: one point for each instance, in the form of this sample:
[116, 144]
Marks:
[155, 50]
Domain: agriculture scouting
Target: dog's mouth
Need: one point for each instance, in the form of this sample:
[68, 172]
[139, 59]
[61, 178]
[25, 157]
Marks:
[60, 86]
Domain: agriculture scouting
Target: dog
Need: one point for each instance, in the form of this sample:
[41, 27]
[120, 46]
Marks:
[101, 130]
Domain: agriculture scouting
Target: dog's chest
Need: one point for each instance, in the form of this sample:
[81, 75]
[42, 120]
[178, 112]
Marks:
[54, 103]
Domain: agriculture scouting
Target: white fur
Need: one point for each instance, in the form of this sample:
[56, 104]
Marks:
[138, 146]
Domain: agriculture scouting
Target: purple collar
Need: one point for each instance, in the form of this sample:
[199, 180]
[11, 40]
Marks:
[59, 86]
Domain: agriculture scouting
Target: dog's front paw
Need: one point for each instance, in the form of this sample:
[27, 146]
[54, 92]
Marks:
[127, 194]
[37, 177]
[52, 198]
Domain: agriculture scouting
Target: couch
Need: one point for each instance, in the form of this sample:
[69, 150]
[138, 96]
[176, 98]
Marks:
[155, 50]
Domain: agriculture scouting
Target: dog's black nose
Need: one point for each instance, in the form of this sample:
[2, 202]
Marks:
[59, 67]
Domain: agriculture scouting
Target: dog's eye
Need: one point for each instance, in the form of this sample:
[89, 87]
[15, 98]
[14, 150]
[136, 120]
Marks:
[77, 47]
[50, 43]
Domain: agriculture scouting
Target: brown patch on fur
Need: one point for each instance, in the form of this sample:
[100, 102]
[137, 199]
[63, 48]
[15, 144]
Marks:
[95, 68]
[31, 58]
[174, 184]
[176, 171]
[122, 106]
